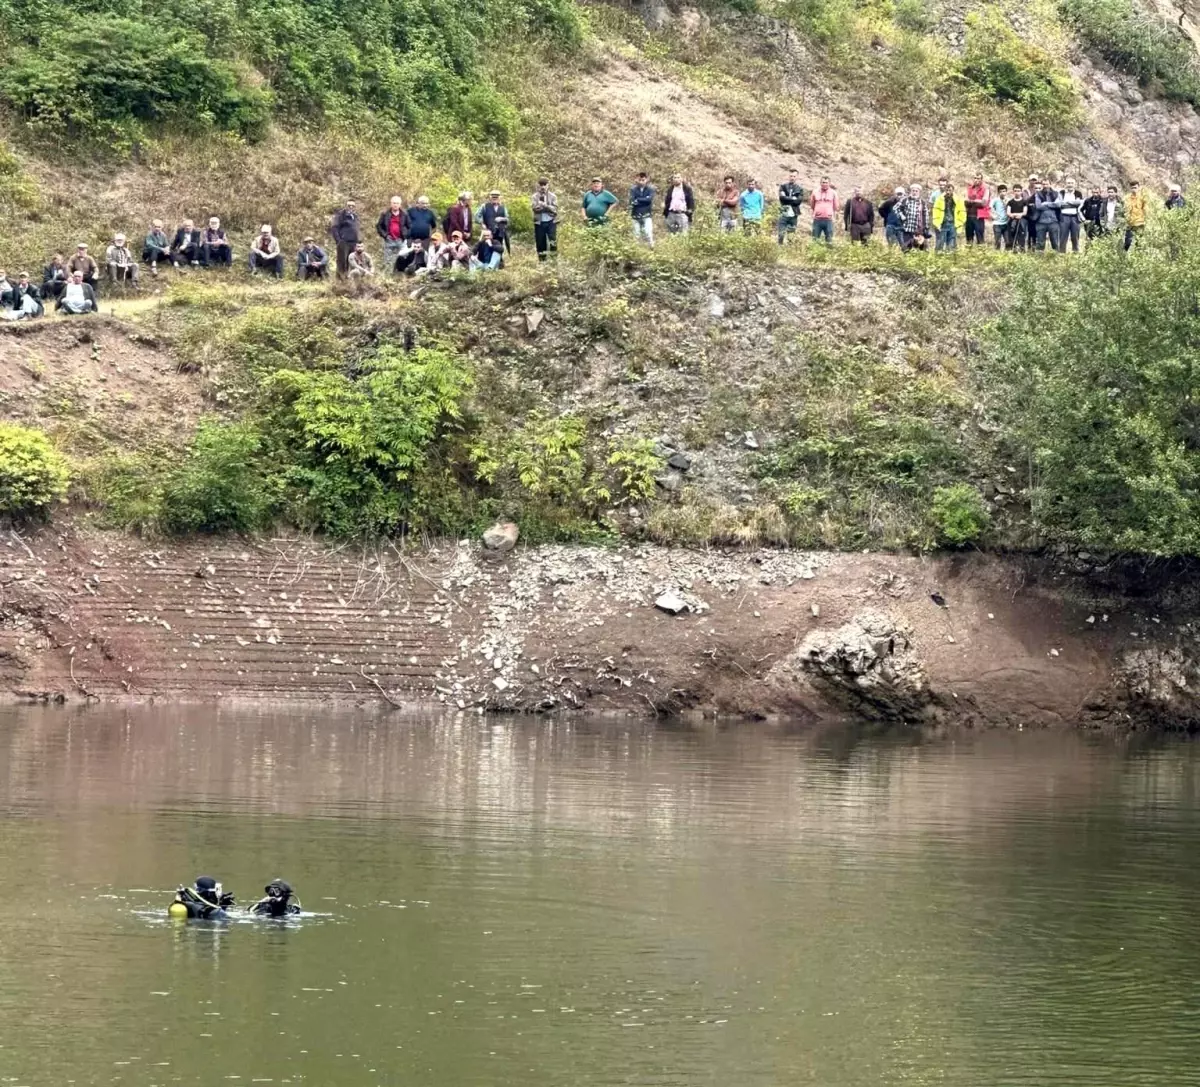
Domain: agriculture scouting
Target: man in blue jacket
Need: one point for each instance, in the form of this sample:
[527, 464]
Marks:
[641, 208]
[1046, 204]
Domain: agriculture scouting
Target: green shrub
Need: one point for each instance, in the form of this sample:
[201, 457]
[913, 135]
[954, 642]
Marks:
[915, 15]
[33, 474]
[1000, 65]
[1139, 43]
[219, 487]
[959, 514]
[1093, 372]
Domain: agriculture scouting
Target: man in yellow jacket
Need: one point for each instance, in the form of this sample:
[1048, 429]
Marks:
[949, 218]
[1135, 213]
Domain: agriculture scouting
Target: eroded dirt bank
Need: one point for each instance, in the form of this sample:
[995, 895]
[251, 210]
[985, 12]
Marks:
[763, 633]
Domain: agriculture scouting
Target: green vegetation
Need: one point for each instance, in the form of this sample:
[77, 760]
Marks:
[1095, 380]
[959, 514]
[1138, 43]
[106, 71]
[33, 474]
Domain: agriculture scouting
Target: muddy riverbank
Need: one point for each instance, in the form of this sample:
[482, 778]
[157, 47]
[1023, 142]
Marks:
[971, 638]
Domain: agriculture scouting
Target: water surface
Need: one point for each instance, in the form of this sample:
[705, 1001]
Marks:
[570, 903]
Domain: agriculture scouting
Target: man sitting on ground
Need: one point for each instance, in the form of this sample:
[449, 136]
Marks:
[265, 254]
[312, 262]
[120, 263]
[214, 245]
[19, 301]
[458, 252]
[54, 277]
[83, 263]
[155, 247]
[187, 245]
[78, 297]
[414, 259]
[361, 264]
[488, 253]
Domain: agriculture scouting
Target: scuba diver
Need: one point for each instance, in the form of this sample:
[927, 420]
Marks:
[203, 901]
[278, 902]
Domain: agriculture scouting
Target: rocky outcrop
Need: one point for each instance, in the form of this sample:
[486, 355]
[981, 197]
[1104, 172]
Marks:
[868, 665]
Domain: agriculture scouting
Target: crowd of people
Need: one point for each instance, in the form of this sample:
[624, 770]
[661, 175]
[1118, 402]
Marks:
[1043, 213]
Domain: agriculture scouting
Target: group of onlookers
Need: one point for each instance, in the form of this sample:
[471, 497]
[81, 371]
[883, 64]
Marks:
[1046, 212]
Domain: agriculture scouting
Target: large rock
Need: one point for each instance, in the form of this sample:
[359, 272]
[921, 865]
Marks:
[868, 665]
[501, 537]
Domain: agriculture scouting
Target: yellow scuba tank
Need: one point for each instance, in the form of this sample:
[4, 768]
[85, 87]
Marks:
[177, 910]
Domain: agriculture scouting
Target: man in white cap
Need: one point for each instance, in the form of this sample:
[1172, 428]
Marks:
[85, 264]
[265, 254]
[1175, 197]
[120, 263]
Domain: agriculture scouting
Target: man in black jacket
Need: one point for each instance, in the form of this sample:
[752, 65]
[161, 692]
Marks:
[187, 247]
[494, 216]
[641, 208]
[678, 205]
[859, 217]
[422, 221]
[54, 277]
[344, 229]
[791, 199]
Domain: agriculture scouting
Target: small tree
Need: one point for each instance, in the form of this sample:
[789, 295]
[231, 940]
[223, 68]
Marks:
[33, 474]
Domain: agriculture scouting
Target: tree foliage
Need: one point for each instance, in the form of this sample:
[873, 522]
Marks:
[1097, 373]
[33, 474]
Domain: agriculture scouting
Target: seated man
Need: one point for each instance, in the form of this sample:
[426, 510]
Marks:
[489, 253]
[54, 277]
[120, 262]
[414, 260]
[78, 297]
[458, 252]
[264, 253]
[155, 247]
[187, 247]
[214, 245]
[312, 262]
[279, 900]
[361, 264]
[82, 262]
[26, 298]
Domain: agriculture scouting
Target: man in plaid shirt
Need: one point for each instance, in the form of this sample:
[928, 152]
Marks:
[914, 220]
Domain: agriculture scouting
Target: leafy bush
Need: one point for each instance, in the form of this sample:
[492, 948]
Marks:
[33, 474]
[1094, 373]
[105, 69]
[365, 452]
[1001, 65]
[101, 77]
[1138, 43]
[219, 486]
[959, 514]
[915, 15]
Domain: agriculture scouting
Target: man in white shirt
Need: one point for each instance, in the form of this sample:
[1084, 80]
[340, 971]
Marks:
[78, 297]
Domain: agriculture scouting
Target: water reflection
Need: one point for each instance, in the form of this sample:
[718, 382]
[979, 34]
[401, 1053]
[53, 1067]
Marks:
[542, 902]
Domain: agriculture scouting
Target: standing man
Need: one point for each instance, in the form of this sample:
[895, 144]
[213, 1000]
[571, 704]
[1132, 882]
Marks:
[1175, 198]
[728, 203]
[596, 203]
[679, 206]
[1092, 214]
[1114, 210]
[858, 217]
[641, 209]
[495, 218]
[791, 197]
[344, 228]
[459, 217]
[422, 222]
[1018, 220]
[545, 219]
[913, 214]
[891, 221]
[752, 204]
[1135, 214]
[999, 216]
[1070, 212]
[949, 217]
[824, 204]
[979, 210]
[392, 228]
[1046, 203]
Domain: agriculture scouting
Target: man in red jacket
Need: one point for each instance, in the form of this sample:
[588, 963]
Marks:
[979, 210]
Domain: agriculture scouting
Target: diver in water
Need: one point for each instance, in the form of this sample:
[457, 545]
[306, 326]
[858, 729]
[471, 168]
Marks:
[203, 901]
[278, 902]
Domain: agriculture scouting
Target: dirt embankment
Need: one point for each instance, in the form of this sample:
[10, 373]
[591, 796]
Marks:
[768, 633]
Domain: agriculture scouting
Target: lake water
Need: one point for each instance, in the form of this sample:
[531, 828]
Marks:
[571, 903]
